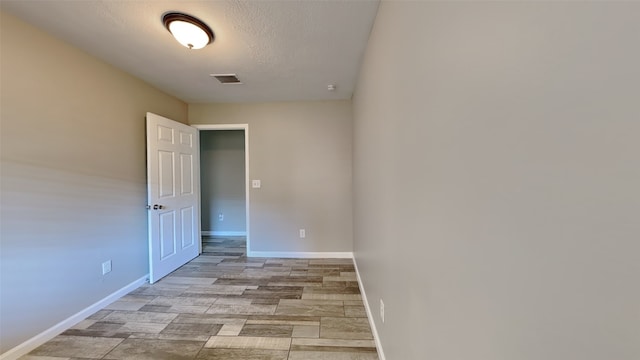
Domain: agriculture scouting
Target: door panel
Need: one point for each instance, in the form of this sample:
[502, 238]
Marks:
[187, 228]
[173, 188]
[186, 139]
[165, 134]
[165, 176]
[167, 235]
[186, 166]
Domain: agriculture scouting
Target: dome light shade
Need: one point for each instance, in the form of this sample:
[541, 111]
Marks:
[188, 30]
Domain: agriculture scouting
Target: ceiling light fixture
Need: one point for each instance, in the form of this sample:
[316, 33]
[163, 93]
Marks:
[188, 30]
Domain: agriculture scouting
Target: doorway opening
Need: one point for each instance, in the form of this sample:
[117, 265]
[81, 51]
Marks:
[224, 183]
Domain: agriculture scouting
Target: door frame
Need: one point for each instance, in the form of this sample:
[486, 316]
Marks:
[244, 127]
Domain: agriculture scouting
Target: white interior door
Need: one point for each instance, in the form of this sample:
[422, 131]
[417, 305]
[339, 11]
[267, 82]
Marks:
[173, 185]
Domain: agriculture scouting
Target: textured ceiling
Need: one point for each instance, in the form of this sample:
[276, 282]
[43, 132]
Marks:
[280, 50]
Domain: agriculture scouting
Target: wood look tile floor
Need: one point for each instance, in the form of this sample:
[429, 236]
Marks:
[223, 305]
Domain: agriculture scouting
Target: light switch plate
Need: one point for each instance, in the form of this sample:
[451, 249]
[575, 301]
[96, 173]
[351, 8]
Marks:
[106, 267]
[255, 184]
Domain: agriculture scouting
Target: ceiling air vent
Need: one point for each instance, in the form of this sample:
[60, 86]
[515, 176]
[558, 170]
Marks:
[227, 78]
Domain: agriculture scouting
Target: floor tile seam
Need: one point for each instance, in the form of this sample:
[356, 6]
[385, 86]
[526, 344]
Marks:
[112, 349]
[202, 348]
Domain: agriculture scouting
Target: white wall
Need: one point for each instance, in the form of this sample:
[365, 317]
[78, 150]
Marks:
[496, 180]
[72, 182]
[222, 181]
[301, 152]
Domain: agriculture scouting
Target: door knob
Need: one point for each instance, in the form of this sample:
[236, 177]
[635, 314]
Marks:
[157, 207]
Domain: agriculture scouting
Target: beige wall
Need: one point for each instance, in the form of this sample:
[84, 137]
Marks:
[73, 179]
[222, 181]
[301, 151]
[496, 180]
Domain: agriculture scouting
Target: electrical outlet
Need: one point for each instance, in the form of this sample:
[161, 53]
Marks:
[256, 184]
[382, 310]
[106, 267]
[303, 234]
[221, 217]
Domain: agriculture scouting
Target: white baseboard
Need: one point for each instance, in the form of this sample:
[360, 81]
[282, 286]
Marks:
[60, 327]
[223, 233]
[302, 255]
[374, 330]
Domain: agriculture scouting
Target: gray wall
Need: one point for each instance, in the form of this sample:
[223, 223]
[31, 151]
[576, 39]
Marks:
[497, 180]
[301, 151]
[222, 180]
[73, 179]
